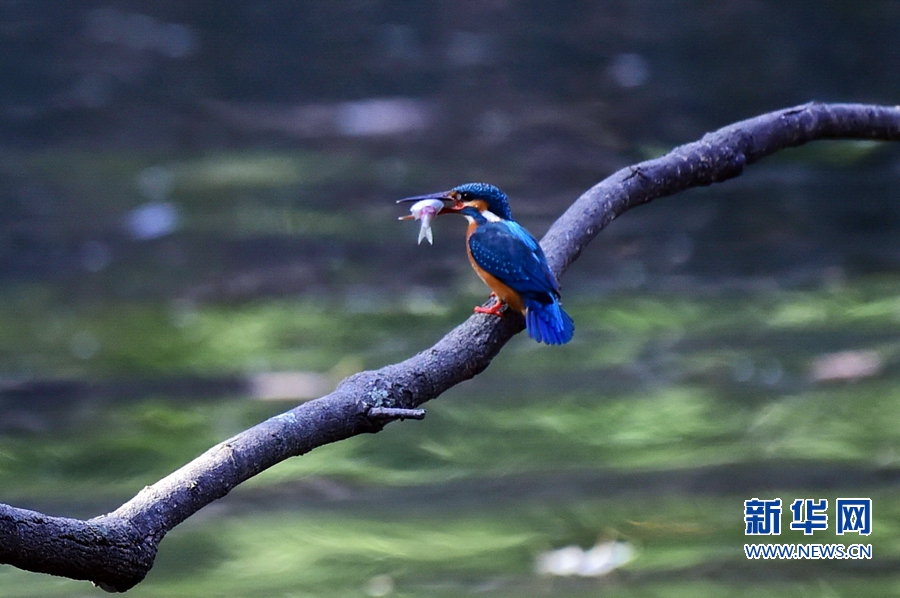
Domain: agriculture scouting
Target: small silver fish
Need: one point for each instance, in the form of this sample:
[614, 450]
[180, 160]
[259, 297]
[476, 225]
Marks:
[425, 211]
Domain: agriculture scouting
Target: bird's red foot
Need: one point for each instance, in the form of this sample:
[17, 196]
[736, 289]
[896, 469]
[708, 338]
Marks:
[496, 309]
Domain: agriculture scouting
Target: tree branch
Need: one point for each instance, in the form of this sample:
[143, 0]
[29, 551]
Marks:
[116, 550]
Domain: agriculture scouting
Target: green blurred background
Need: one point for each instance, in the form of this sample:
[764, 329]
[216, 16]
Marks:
[197, 231]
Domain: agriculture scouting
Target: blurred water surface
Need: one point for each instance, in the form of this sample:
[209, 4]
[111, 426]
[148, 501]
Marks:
[197, 231]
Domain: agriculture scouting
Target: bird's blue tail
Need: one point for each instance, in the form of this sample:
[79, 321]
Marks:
[548, 322]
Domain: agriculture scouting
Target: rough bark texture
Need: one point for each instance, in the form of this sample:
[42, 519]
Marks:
[115, 551]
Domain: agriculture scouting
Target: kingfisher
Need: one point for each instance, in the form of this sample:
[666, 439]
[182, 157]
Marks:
[507, 258]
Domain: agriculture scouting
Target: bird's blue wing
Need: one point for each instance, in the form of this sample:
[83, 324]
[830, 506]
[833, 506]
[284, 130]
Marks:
[509, 252]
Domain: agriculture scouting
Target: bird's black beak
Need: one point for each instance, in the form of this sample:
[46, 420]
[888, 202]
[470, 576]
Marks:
[441, 195]
[451, 200]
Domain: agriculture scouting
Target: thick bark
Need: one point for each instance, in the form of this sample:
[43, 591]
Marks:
[116, 550]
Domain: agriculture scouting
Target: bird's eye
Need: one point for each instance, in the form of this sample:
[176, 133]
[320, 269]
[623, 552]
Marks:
[465, 196]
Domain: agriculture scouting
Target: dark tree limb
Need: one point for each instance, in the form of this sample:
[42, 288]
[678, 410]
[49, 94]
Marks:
[116, 550]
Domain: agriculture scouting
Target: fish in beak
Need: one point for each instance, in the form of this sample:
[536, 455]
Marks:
[426, 207]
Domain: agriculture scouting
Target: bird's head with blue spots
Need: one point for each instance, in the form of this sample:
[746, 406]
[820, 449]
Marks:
[484, 197]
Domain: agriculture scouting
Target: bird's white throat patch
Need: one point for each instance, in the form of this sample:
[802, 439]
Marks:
[490, 216]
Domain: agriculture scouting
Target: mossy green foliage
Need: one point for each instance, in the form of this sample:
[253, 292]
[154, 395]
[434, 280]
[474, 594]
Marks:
[650, 384]
[521, 460]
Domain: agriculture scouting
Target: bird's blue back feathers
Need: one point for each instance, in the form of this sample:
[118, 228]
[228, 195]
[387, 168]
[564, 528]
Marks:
[507, 251]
